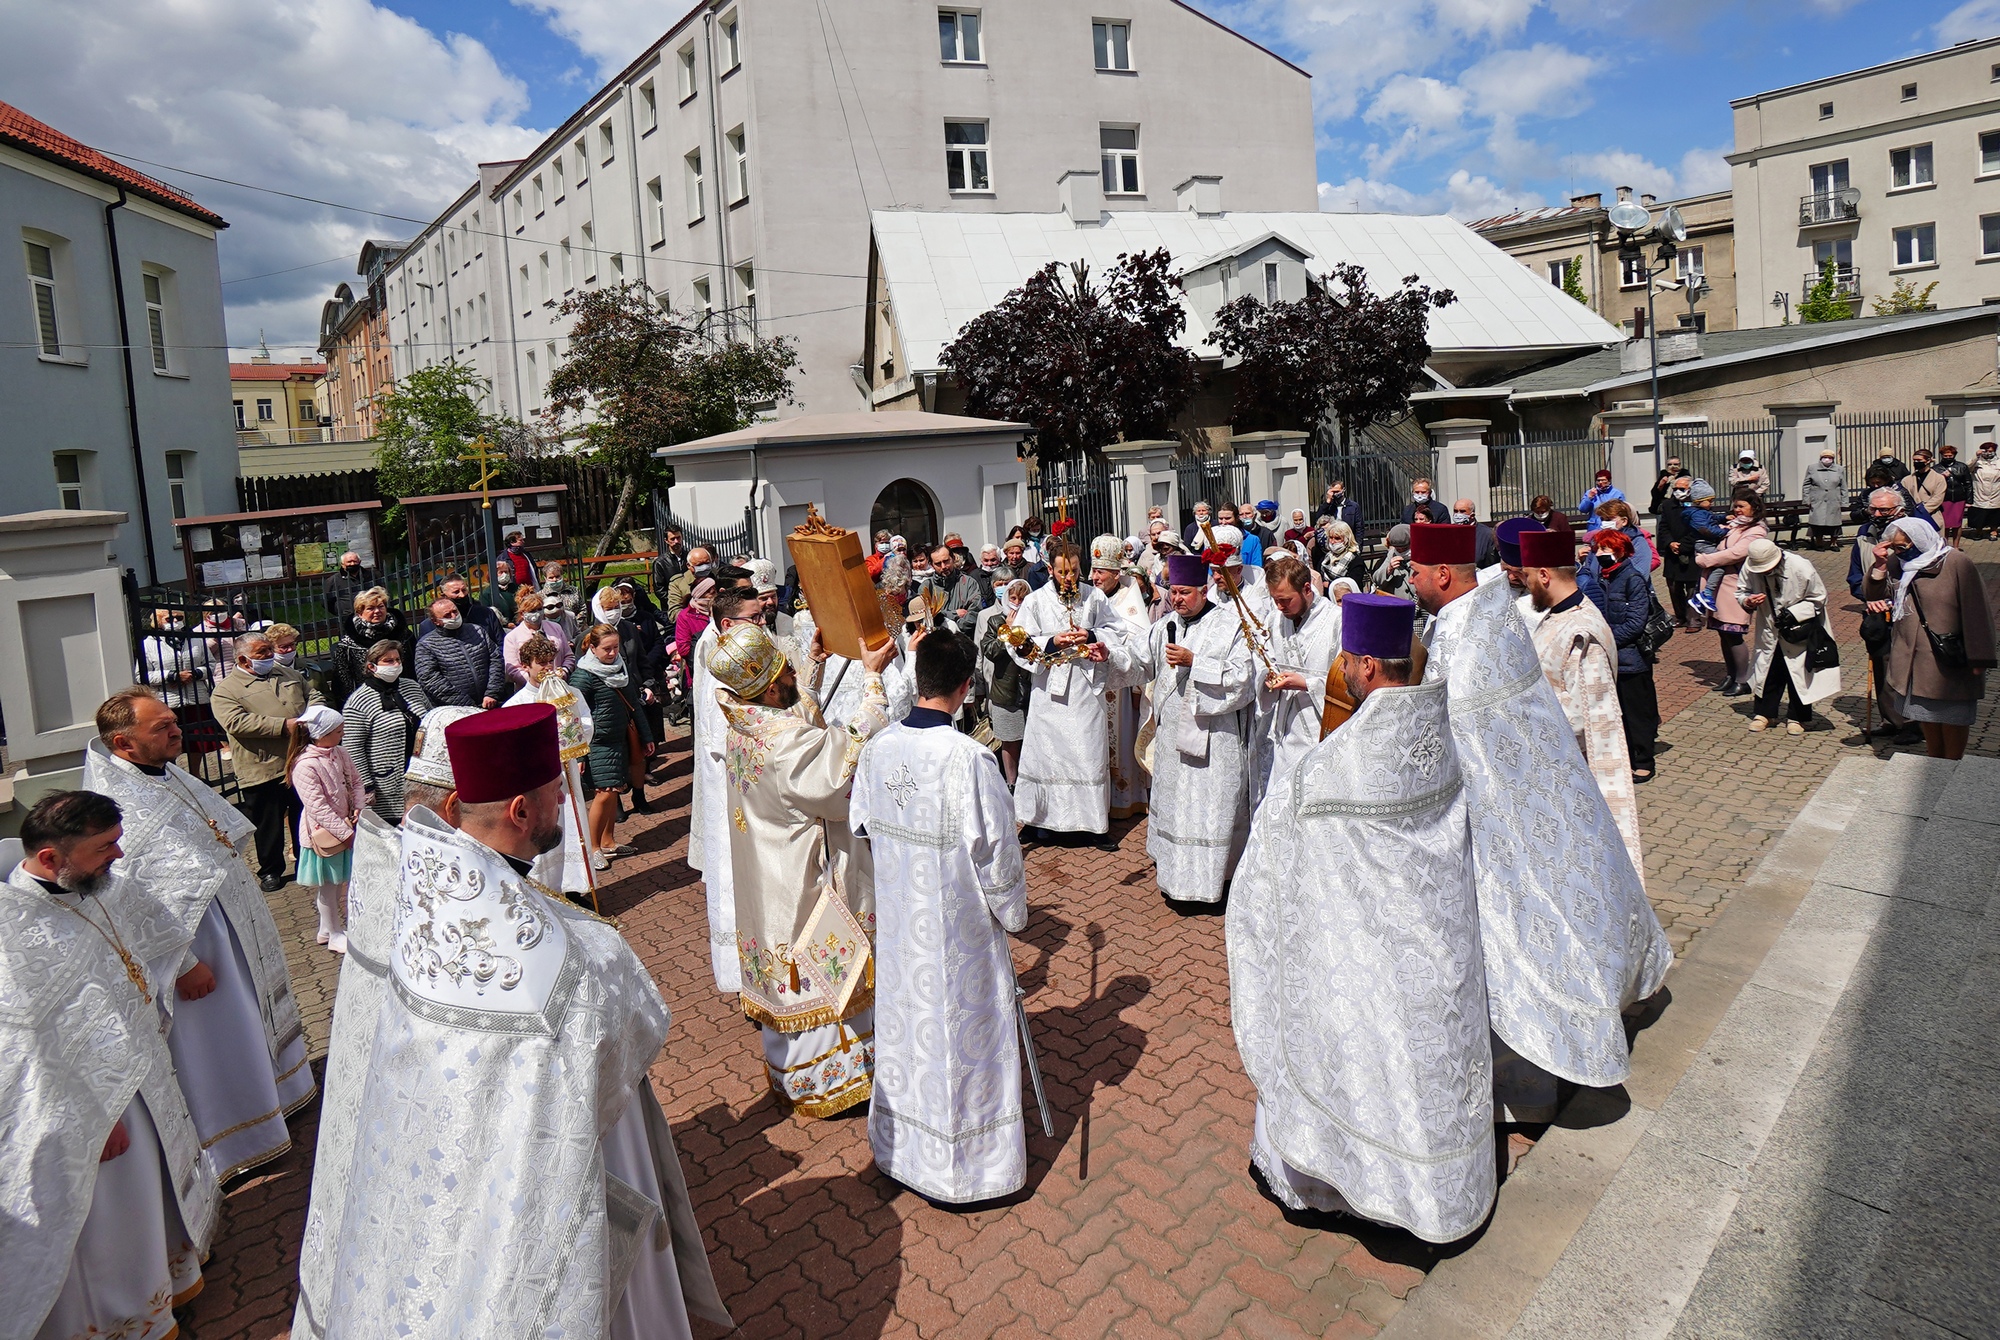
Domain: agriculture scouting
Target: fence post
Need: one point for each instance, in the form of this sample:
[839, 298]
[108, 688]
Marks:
[1970, 417]
[1150, 481]
[1805, 428]
[1277, 469]
[1458, 447]
[1629, 447]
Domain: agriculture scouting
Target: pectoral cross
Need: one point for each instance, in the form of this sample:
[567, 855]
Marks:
[482, 456]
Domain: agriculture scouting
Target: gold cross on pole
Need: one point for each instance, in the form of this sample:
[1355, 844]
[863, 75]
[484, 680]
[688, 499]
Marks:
[482, 456]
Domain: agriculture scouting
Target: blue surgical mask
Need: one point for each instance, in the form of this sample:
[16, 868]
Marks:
[263, 666]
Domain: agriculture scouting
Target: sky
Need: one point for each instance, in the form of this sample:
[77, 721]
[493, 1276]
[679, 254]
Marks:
[1466, 107]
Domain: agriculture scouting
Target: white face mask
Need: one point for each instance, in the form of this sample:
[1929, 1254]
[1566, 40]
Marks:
[451, 622]
[389, 672]
[883, 547]
[1461, 518]
[533, 618]
[1421, 496]
[287, 657]
[263, 666]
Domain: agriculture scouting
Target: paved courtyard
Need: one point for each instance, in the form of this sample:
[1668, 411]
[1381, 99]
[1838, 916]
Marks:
[1140, 1217]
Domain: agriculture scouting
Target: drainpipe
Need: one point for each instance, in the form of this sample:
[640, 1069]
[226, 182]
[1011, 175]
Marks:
[714, 173]
[131, 389]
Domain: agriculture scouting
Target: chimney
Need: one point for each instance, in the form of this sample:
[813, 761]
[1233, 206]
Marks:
[1647, 200]
[1624, 193]
[1199, 195]
[1595, 200]
[1081, 196]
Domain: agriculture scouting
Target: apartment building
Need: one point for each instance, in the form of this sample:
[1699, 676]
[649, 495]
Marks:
[275, 404]
[354, 341]
[1891, 172]
[732, 167]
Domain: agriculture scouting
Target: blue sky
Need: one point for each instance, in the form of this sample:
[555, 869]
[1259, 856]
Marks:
[1471, 107]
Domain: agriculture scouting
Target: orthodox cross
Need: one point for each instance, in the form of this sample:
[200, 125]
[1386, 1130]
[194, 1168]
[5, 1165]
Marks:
[482, 456]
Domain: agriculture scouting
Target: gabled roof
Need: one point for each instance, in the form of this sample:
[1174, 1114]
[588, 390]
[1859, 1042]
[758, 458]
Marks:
[20, 131]
[1540, 214]
[942, 269]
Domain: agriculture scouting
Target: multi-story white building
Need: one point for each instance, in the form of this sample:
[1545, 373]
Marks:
[1892, 172]
[732, 167]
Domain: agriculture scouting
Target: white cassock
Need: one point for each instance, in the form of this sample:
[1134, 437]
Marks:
[946, 1117]
[1569, 937]
[92, 1246]
[568, 866]
[708, 821]
[1288, 720]
[1064, 779]
[1356, 985]
[239, 1051]
[512, 1174]
[1580, 658]
[1126, 706]
[844, 705]
[1200, 807]
[364, 979]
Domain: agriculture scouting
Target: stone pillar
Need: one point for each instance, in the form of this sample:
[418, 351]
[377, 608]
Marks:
[1150, 481]
[1277, 470]
[1630, 456]
[64, 646]
[1805, 428]
[1970, 417]
[1459, 448]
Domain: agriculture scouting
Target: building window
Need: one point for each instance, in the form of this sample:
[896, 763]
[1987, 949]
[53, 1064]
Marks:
[1989, 153]
[1826, 111]
[477, 238]
[1840, 252]
[607, 142]
[965, 151]
[69, 480]
[568, 265]
[534, 378]
[684, 72]
[656, 202]
[1989, 234]
[527, 294]
[739, 166]
[1120, 148]
[1689, 265]
[547, 294]
[587, 236]
[541, 196]
[1114, 44]
[1271, 282]
[156, 318]
[42, 279]
[703, 297]
[732, 43]
[1559, 273]
[649, 107]
[746, 286]
[1917, 245]
[1909, 93]
[265, 412]
[1632, 272]
[691, 181]
[958, 36]
[1697, 322]
[485, 320]
[1829, 179]
[520, 212]
[617, 268]
[307, 416]
[1910, 167]
[240, 425]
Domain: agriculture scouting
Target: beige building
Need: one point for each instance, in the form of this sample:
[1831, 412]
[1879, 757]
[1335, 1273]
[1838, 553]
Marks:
[1549, 240]
[1892, 172]
[354, 341]
[276, 404]
[733, 165]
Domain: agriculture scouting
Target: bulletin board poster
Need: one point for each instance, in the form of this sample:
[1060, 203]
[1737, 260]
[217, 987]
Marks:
[250, 548]
[456, 522]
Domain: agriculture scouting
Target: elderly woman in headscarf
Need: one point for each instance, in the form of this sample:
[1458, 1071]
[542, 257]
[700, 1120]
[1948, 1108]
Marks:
[1941, 633]
[689, 624]
[1009, 684]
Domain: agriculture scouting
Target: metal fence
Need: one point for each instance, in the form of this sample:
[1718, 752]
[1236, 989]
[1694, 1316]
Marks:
[1087, 490]
[1377, 467]
[1211, 479]
[1522, 467]
[1860, 438]
[1710, 450]
[724, 542]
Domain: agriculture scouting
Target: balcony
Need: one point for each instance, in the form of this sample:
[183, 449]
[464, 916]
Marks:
[1843, 206]
[1846, 282]
[299, 437]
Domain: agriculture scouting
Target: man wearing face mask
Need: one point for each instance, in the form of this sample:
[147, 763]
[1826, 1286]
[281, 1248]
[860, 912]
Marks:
[1338, 506]
[347, 582]
[700, 565]
[477, 616]
[1423, 507]
[257, 704]
[456, 664]
[513, 572]
[1484, 547]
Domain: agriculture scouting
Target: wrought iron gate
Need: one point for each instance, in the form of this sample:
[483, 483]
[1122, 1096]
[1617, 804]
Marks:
[1087, 490]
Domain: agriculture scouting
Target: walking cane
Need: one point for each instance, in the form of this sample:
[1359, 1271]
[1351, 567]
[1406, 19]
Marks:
[1028, 1050]
[1868, 712]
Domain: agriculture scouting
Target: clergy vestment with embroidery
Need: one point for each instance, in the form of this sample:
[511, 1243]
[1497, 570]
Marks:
[1288, 719]
[568, 866]
[1064, 779]
[1199, 814]
[946, 1116]
[1356, 984]
[93, 1246]
[1126, 706]
[1569, 937]
[1580, 658]
[789, 775]
[708, 820]
[240, 1051]
[844, 707]
[495, 1189]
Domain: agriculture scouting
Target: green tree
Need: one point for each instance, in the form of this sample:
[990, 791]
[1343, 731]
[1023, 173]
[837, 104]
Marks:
[637, 379]
[426, 424]
[1824, 300]
[1573, 281]
[1905, 297]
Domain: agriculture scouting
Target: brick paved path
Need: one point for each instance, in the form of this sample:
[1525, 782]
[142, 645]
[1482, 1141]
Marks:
[1141, 1219]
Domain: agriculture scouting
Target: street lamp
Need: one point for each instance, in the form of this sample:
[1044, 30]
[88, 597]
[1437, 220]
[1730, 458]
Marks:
[1784, 300]
[1634, 222]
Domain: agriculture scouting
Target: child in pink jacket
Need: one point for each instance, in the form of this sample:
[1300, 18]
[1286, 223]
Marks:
[332, 798]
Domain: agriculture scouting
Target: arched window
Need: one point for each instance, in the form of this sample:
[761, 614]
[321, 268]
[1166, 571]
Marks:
[905, 508]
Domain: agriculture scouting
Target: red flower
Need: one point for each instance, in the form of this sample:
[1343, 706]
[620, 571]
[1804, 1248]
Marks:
[1219, 556]
[1063, 527]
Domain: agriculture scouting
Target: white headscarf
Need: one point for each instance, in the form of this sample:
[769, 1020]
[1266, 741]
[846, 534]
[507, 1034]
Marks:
[1930, 552]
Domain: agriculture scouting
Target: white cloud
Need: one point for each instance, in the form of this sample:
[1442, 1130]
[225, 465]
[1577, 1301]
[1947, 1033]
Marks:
[339, 99]
[1701, 171]
[1542, 80]
[1463, 195]
[1970, 21]
[1495, 19]
[1426, 104]
[612, 32]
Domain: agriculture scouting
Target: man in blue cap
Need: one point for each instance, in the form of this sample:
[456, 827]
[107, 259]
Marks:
[1357, 987]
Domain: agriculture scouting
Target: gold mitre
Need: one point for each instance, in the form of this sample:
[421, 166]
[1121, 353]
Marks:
[746, 660]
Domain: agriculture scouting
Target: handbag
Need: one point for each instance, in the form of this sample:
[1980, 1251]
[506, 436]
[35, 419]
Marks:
[1658, 631]
[325, 843]
[1947, 649]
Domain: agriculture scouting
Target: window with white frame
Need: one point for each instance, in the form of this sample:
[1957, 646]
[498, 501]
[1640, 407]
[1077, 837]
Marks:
[240, 425]
[549, 352]
[527, 294]
[308, 413]
[1271, 290]
[266, 411]
[451, 238]
[1632, 272]
[1559, 273]
[534, 377]
[1989, 235]
[958, 36]
[732, 42]
[1120, 148]
[476, 237]
[42, 282]
[739, 166]
[155, 283]
[177, 483]
[1917, 245]
[607, 142]
[746, 288]
[548, 294]
[617, 268]
[649, 108]
[965, 150]
[587, 241]
[581, 152]
[556, 171]
[684, 72]
[1989, 153]
[69, 480]
[703, 297]
[568, 265]
[1690, 264]
[1112, 39]
[656, 204]
[691, 182]
[520, 212]
[1910, 167]
[485, 320]
[541, 196]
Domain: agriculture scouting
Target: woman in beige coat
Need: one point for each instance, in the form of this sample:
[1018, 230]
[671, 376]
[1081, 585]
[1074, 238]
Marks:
[1730, 620]
[1939, 587]
[1775, 582]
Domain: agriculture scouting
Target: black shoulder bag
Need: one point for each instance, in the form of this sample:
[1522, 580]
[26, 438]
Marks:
[1947, 649]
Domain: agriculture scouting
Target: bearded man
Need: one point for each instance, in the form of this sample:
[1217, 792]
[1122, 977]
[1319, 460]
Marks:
[1291, 696]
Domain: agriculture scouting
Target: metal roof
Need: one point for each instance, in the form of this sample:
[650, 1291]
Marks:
[943, 269]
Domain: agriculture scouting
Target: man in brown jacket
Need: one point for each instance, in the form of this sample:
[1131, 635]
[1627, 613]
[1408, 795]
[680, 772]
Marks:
[258, 706]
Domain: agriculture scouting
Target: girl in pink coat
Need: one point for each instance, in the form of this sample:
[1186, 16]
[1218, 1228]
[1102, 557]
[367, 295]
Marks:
[332, 798]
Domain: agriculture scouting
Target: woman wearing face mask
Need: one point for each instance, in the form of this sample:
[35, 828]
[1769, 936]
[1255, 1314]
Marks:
[1825, 495]
[1543, 509]
[1010, 685]
[690, 624]
[372, 621]
[1937, 593]
[1628, 601]
[1620, 517]
[1342, 554]
[620, 736]
[532, 610]
[1729, 619]
[382, 716]
[1984, 513]
[184, 666]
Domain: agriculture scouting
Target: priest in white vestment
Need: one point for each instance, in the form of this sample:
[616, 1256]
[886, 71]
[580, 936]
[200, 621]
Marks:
[708, 817]
[805, 963]
[1291, 696]
[1077, 649]
[1112, 573]
[357, 1004]
[1580, 659]
[568, 867]
[512, 1173]
[946, 1116]
[106, 1206]
[1202, 678]
[1356, 984]
[239, 1050]
[835, 683]
[1569, 937]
